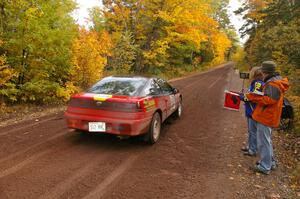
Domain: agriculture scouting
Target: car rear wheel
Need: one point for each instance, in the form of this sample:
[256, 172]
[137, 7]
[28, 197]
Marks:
[155, 127]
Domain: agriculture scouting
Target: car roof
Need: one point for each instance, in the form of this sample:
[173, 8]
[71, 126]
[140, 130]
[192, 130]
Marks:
[132, 76]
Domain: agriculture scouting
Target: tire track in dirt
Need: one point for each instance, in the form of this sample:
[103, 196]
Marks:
[22, 164]
[30, 137]
[59, 167]
[73, 180]
[101, 189]
[27, 126]
[122, 156]
[40, 146]
[35, 146]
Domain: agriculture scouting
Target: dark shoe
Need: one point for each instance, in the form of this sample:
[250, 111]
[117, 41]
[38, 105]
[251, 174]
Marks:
[258, 170]
[249, 153]
[244, 148]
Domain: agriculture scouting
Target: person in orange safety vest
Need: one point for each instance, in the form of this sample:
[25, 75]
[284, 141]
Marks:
[267, 114]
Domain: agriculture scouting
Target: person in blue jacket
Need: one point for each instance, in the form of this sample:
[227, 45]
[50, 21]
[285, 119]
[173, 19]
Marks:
[256, 85]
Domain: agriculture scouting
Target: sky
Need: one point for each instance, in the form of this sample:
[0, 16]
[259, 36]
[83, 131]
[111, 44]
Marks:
[237, 21]
[81, 14]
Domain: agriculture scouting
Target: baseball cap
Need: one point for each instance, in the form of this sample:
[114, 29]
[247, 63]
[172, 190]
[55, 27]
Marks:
[268, 67]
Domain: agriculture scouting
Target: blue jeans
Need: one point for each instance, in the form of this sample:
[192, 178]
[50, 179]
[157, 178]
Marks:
[252, 136]
[264, 147]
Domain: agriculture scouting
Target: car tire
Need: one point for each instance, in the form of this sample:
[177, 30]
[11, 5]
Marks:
[155, 129]
[178, 112]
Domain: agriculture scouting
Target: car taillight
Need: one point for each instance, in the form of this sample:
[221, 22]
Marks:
[127, 107]
[140, 105]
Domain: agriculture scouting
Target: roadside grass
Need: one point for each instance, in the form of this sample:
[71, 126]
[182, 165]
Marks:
[289, 157]
[11, 114]
[293, 145]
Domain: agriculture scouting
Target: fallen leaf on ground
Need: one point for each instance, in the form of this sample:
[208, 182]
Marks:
[273, 196]
[258, 186]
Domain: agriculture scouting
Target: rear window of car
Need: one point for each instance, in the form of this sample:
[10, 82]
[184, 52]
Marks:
[119, 86]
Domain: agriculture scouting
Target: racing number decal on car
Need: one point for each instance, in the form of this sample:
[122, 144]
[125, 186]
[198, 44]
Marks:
[173, 104]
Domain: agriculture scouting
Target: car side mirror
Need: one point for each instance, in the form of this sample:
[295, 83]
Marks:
[175, 90]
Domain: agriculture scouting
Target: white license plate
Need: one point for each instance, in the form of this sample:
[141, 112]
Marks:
[97, 127]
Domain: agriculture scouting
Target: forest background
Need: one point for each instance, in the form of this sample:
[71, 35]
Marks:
[45, 56]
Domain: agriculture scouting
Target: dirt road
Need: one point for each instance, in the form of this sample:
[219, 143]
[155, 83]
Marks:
[193, 159]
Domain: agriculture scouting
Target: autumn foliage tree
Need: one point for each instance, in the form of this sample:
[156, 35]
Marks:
[37, 39]
[89, 51]
[45, 57]
[167, 34]
[123, 54]
[7, 89]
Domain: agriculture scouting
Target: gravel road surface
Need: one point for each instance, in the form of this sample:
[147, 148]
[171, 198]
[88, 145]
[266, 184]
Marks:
[43, 159]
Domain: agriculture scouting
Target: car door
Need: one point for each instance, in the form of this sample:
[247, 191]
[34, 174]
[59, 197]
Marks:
[153, 90]
[168, 96]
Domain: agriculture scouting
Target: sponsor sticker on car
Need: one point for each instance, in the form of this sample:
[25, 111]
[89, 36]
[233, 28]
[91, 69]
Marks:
[101, 97]
[149, 104]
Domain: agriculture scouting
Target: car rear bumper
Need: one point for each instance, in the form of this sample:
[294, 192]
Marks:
[128, 127]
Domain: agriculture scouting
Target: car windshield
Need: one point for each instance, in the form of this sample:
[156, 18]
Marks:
[119, 86]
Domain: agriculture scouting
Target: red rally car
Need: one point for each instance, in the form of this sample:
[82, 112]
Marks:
[125, 106]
